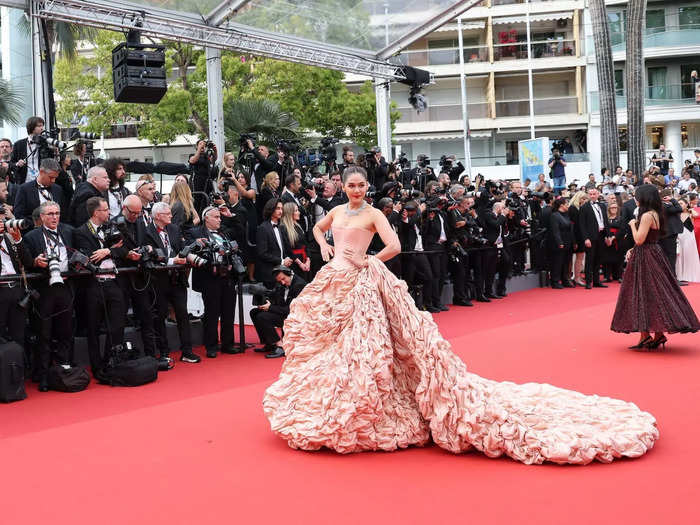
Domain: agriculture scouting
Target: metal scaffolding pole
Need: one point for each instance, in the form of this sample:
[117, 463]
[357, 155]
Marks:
[463, 87]
[216, 99]
[529, 71]
[382, 92]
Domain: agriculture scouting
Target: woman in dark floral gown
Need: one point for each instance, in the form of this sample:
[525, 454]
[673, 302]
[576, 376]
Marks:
[650, 299]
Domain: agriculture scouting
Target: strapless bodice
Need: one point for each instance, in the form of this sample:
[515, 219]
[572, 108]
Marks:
[357, 239]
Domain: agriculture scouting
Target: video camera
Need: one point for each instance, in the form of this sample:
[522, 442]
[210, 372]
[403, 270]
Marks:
[261, 294]
[327, 150]
[288, 146]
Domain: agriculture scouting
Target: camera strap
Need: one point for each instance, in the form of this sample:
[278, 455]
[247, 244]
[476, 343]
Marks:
[53, 240]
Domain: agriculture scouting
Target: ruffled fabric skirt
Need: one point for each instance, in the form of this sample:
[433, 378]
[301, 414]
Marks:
[650, 299]
[365, 370]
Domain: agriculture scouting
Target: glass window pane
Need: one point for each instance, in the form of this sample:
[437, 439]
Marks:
[656, 20]
[619, 82]
[689, 17]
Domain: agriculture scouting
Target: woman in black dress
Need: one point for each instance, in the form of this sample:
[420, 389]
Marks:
[270, 189]
[650, 299]
[578, 200]
[612, 256]
[562, 243]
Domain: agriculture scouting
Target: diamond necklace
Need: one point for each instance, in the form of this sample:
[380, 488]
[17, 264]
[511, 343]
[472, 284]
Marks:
[350, 212]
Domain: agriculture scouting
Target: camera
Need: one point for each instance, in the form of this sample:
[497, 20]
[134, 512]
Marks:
[261, 294]
[217, 196]
[245, 137]
[29, 296]
[85, 135]
[210, 149]
[49, 139]
[112, 233]
[403, 161]
[54, 265]
[79, 261]
[327, 150]
[446, 163]
[22, 224]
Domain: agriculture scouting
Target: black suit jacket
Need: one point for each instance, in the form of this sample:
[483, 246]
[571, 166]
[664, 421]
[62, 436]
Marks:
[152, 238]
[561, 231]
[85, 242]
[280, 306]
[407, 233]
[19, 254]
[202, 275]
[268, 251]
[673, 210]
[431, 233]
[78, 170]
[493, 226]
[588, 224]
[27, 199]
[36, 243]
[77, 211]
[19, 152]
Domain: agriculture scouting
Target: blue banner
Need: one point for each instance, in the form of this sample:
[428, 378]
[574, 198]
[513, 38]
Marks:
[533, 155]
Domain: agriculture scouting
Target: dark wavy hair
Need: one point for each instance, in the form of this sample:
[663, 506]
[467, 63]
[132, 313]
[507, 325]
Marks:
[269, 208]
[111, 165]
[649, 199]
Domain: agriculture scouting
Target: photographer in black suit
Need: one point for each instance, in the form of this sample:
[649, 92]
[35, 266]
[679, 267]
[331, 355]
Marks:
[169, 286]
[52, 243]
[104, 298]
[595, 228]
[674, 226]
[271, 315]
[391, 212]
[273, 246]
[435, 239]
[562, 243]
[31, 194]
[215, 281]
[493, 222]
[416, 266]
[13, 256]
[28, 153]
[96, 186]
[202, 163]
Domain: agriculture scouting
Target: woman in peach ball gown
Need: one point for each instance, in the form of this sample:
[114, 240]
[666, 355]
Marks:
[366, 370]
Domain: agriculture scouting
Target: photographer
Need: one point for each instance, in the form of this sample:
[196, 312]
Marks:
[415, 264]
[451, 167]
[49, 247]
[169, 286]
[377, 168]
[419, 176]
[28, 153]
[117, 192]
[235, 223]
[5, 153]
[462, 222]
[215, 281]
[96, 185]
[146, 191]
[104, 298]
[271, 315]
[202, 162]
[518, 226]
[136, 285]
[14, 255]
[435, 239]
[265, 163]
[662, 159]
[557, 172]
[79, 166]
[348, 159]
[392, 212]
[41, 189]
[493, 221]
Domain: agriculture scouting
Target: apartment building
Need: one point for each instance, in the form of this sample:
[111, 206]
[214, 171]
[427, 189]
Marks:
[671, 52]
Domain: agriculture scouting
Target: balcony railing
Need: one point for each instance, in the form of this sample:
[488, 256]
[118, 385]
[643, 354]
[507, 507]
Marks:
[444, 112]
[542, 106]
[538, 49]
[442, 56]
[667, 95]
[675, 35]
[507, 2]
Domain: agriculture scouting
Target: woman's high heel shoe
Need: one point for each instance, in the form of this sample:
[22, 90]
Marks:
[641, 344]
[656, 342]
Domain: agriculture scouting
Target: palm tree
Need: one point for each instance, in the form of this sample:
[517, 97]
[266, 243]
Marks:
[609, 136]
[263, 117]
[11, 103]
[634, 80]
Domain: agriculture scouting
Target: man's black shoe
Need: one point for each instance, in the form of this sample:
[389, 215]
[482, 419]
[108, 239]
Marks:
[567, 284]
[232, 350]
[265, 349]
[190, 357]
[432, 310]
[589, 286]
[460, 302]
[483, 299]
[43, 385]
[492, 296]
[501, 294]
[278, 352]
[600, 285]
[444, 308]
[557, 286]
[165, 363]
[211, 354]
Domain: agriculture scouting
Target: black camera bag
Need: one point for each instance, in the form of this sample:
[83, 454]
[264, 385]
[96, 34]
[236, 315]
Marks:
[71, 379]
[131, 372]
[11, 372]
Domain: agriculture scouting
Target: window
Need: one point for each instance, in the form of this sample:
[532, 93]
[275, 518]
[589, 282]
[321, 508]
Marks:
[656, 21]
[616, 25]
[619, 82]
[689, 17]
[656, 80]
[687, 85]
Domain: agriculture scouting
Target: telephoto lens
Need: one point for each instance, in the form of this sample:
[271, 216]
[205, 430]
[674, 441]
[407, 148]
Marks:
[54, 270]
[22, 224]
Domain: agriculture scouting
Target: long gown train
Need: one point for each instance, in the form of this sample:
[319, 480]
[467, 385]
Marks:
[365, 370]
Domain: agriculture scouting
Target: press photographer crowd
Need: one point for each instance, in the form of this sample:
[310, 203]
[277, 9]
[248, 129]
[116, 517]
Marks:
[81, 255]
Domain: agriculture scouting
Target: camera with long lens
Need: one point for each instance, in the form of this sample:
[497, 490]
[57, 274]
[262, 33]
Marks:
[192, 253]
[261, 294]
[403, 161]
[80, 261]
[245, 137]
[29, 296]
[210, 149]
[85, 135]
[21, 224]
[47, 138]
[54, 265]
[327, 150]
[288, 146]
[112, 233]
[446, 163]
[408, 194]
[217, 196]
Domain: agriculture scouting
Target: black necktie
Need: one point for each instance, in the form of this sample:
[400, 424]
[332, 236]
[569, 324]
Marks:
[45, 192]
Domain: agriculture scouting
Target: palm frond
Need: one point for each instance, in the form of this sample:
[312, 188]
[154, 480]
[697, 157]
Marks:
[11, 103]
[263, 117]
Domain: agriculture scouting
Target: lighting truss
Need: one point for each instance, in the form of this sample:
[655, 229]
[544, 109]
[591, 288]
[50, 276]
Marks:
[174, 26]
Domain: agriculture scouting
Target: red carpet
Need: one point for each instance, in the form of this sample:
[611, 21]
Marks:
[195, 448]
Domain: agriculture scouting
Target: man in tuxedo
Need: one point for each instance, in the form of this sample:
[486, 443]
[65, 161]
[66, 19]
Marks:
[146, 191]
[55, 306]
[595, 230]
[234, 225]
[493, 222]
[104, 298]
[348, 159]
[28, 153]
[273, 246]
[435, 231]
[96, 186]
[169, 286]
[216, 283]
[674, 226]
[13, 256]
[5, 153]
[627, 214]
[117, 191]
[416, 265]
[271, 315]
[35, 192]
[292, 186]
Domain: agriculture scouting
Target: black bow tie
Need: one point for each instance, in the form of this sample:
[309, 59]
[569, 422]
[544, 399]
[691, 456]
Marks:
[275, 225]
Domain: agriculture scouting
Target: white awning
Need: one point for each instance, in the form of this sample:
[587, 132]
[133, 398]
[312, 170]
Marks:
[476, 24]
[539, 17]
[441, 136]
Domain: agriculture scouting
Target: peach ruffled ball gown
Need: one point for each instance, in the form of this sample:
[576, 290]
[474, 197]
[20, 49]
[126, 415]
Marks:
[366, 370]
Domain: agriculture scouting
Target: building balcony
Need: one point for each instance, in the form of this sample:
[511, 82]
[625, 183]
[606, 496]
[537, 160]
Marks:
[441, 112]
[442, 56]
[668, 36]
[654, 96]
[538, 49]
[542, 106]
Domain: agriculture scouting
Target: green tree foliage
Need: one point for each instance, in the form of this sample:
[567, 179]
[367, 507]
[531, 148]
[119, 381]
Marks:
[11, 103]
[263, 117]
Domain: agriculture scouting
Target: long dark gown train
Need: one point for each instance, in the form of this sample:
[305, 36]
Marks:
[365, 370]
[650, 299]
